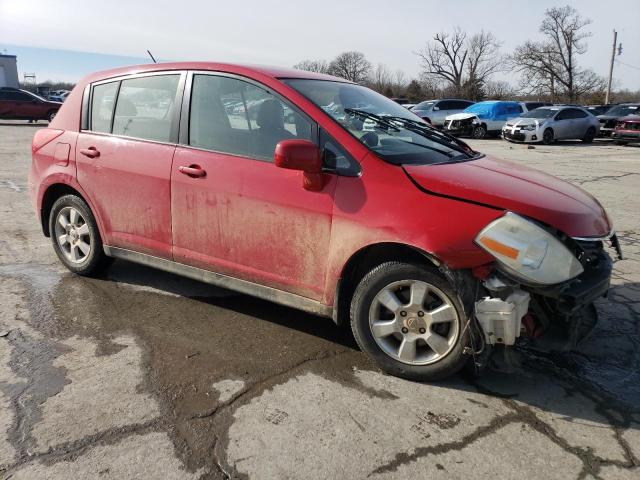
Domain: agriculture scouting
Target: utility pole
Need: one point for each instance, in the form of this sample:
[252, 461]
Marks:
[613, 57]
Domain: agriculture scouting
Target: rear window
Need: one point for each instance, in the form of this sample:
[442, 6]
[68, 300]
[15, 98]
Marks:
[145, 107]
[102, 103]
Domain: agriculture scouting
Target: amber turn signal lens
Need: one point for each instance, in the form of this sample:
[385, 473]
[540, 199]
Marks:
[500, 248]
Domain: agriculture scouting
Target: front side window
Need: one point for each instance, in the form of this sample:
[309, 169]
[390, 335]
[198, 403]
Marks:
[236, 117]
[388, 129]
[102, 103]
[145, 107]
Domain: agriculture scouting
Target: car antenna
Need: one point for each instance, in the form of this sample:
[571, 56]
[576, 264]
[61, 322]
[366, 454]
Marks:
[154, 60]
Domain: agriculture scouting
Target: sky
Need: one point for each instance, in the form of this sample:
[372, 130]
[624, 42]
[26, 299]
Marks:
[67, 39]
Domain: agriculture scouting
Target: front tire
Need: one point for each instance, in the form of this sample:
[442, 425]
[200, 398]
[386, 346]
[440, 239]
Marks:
[479, 132]
[75, 236]
[51, 116]
[548, 137]
[409, 320]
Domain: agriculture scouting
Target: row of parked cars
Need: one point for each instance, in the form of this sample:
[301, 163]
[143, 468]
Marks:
[531, 121]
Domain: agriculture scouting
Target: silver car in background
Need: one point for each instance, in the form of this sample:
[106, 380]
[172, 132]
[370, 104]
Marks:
[435, 111]
[548, 124]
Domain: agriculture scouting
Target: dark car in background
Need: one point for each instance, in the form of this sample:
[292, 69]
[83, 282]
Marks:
[18, 104]
[609, 120]
[435, 111]
[627, 130]
[598, 109]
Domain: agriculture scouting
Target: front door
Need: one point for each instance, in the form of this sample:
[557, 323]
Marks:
[233, 210]
[124, 160]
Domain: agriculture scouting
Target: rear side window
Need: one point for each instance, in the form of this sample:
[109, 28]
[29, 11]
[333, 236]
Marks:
[102, 103]
[236, 117]
[145, 107]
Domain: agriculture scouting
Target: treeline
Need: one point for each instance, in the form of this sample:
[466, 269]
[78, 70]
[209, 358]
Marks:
[458, 64]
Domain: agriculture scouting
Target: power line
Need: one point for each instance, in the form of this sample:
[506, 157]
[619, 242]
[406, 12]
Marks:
[627, 65]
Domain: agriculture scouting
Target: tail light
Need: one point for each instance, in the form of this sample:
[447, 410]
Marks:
[44, 136]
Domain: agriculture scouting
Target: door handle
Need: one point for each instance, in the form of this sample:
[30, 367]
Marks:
[194, 171]
[91, 152]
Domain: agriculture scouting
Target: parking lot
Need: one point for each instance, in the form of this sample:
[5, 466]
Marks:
[142, 374]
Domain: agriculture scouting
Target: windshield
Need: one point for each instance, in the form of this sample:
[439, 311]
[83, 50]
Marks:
[388, 129]
[623, 110]
[424, 106]
[540, 113]
[482, 109]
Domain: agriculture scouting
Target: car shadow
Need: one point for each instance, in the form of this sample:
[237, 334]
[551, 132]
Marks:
[170, 313]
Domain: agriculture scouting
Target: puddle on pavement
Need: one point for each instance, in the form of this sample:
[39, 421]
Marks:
[194, 336]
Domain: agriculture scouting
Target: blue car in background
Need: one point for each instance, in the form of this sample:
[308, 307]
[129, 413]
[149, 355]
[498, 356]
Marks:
[483, 118]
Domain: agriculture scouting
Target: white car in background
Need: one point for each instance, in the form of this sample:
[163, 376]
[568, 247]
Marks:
[436, 111]
[548, 124]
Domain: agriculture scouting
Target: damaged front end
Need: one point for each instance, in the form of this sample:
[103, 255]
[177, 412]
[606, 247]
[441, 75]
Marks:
[541, 282]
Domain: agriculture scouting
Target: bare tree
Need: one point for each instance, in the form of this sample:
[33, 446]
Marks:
[380, 78]
[498, 90]
[464, 63]
[318, 66]
[352, 66]
[445, 56]
[551, 64]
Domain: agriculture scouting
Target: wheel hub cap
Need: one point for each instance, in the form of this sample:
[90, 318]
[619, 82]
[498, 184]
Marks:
[414, 322]
[73, 235]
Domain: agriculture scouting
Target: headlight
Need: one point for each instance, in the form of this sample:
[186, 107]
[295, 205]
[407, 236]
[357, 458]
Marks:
[529, 127]
[528, 251]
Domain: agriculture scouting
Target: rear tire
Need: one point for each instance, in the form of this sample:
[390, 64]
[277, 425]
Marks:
[75, 236]
[409, 320]
[51, 116]
[589, 135]
[548, 137]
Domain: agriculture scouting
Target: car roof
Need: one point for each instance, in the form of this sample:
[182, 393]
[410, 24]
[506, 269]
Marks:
[241, 69]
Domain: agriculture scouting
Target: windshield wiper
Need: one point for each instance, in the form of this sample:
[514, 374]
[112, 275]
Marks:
[435, 135]
[372, 116]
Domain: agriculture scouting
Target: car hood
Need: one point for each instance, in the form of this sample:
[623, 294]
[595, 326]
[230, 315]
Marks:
[608, 117]
[461, 116]
[514, 187]
[521, 122]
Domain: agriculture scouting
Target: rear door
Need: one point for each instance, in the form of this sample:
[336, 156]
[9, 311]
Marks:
[233, 210]
[6, 104]
[564, 125]
[581, 123]
[124, 154]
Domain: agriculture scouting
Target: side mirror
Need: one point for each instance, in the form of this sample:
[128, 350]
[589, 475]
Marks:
[304, 156]
[436, 108]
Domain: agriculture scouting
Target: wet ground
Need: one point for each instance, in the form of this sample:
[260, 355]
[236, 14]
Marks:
[142, 374]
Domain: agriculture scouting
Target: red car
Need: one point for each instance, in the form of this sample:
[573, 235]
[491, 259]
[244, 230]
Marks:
[22, 105]
[627, 130]
[265, 181]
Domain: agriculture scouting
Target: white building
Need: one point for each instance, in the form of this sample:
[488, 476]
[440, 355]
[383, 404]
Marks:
[8, 71]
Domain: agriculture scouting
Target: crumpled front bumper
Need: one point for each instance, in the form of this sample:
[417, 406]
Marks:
[517, 134]
[593, 283]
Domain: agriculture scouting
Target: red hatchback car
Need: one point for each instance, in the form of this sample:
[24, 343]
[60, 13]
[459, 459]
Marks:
[266, 181]
[22, 105]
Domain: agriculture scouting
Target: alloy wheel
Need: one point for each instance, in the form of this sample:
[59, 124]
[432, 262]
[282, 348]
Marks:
[414, 322]
[73, 235]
